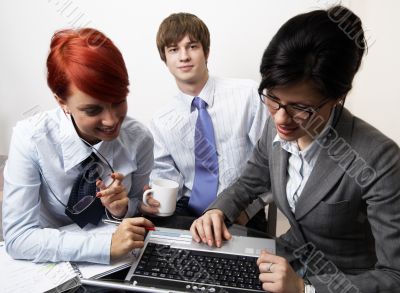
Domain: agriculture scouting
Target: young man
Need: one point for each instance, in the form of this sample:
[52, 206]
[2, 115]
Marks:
[205, 136]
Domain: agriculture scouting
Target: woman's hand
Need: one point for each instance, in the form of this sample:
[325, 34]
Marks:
[152, 207]
[277, 275]
[128, 236]
[210, 228]
[115, 197]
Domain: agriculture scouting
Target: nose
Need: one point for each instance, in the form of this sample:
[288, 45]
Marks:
[183, 55]
[110, 117]
[282, 117]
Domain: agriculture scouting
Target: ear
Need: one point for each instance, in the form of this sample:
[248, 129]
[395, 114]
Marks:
[340, 101]
[206, 56]
[62, 104]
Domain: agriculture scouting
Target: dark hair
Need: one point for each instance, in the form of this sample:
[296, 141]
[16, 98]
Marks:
[89, 60]
[324, 47]
[176, 26]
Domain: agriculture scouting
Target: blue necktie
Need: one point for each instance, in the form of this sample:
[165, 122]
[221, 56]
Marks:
[205, 183]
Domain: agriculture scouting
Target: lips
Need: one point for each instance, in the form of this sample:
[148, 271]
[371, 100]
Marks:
[108, 130]
[286, 130]
[185, 68]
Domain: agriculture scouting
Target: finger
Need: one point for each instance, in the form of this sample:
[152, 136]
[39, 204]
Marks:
[136, 230]
[208, 230]
[113, 189]
[225, 232]
[139, 221]
[109, 201]
[145, 187]
[138, 244]
[200, 230]
[194, 233]
[217, 228]
[148, 209]
[269, 257]
[266, 267]
[153, 202]
[268, 277]
[118, 176]
[118, 205]
[100, 184]
[272, 286]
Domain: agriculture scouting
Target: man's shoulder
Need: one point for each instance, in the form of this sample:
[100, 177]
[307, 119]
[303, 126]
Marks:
[222, 83]
[168, 113]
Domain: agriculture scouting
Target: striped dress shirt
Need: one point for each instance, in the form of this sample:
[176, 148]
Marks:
[238, 119]
[301, 163]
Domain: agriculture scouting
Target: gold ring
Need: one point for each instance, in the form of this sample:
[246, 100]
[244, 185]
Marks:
[269, 267]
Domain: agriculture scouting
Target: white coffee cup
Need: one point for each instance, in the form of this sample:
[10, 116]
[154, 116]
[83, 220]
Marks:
[165, 192]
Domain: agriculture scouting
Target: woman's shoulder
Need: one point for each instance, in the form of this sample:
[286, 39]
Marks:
[366, 133]
[134, 132]
[367, 140]
[38, 124]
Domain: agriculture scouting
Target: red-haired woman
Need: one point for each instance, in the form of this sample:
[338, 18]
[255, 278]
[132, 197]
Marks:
[61, 162]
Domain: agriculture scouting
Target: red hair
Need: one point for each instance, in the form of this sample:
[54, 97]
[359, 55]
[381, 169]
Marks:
[90, 61]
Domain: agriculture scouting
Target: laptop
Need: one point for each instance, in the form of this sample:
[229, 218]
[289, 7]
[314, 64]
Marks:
[172, 262]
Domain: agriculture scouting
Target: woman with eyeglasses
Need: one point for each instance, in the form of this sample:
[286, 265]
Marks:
[61, 163]
[335, 177]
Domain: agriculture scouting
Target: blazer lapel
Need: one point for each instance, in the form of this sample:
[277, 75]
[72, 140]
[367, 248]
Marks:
[279, 159]
[334, 159]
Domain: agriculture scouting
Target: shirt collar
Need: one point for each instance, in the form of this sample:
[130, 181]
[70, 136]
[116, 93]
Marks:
[313, 149]
[74, 150]
[206, 94]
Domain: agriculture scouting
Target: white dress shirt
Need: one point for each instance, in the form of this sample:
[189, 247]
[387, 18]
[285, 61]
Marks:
[31, 213]
[238, 118]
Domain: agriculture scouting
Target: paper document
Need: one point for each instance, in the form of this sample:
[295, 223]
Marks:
[26, 276]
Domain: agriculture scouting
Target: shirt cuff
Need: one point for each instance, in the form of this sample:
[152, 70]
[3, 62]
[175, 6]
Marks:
[309, 289]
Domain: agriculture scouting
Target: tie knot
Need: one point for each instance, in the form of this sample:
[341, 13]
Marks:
[199, 103]
[89, 161]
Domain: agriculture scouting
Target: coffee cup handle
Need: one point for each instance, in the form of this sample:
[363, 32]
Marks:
[145, 195]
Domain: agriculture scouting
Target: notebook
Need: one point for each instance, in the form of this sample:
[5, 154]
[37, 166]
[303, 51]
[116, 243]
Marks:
[172, 262]
[26, 276]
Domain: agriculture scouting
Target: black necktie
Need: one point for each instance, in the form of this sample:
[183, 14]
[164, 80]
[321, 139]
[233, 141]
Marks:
[85, 185]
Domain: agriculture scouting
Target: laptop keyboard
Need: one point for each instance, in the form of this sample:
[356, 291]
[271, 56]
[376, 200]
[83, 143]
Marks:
[197, 270]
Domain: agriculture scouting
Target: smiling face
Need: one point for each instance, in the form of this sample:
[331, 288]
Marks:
[95, 120]
[187, 63]
[302, 95]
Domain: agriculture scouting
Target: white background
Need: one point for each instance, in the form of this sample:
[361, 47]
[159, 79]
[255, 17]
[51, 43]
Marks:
[240, 31]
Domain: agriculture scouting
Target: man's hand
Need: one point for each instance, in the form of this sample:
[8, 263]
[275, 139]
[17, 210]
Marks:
[210, 228]
[152, 208]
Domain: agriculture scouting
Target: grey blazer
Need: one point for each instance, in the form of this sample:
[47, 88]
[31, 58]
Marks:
[346, 227]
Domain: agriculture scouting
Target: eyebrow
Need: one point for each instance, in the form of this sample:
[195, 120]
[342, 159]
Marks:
[187, 43]
[301, 105]
[89, 106]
